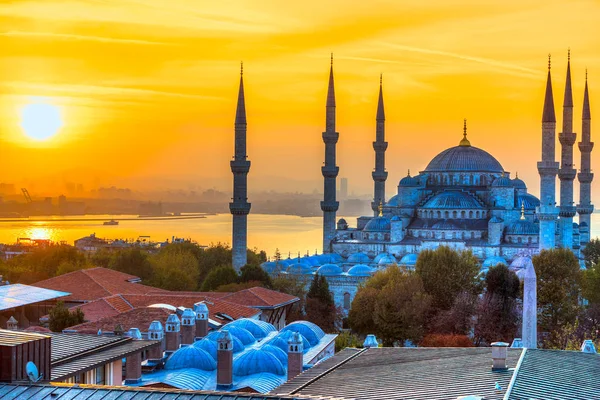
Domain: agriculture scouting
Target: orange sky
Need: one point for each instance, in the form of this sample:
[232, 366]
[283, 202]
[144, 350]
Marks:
[147, 88]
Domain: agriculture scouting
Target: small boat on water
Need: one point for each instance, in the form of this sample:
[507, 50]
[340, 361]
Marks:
[111, 222]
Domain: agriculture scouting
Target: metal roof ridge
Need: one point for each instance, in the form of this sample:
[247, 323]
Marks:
[90, 351]
[513, 379]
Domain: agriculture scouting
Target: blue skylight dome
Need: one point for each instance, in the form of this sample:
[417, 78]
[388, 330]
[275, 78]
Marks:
[255, 361]
[258, 329]
[237, 343]
[299, 269]
[360, 270]
[243, 334]
[209, 346]
[493, 261]
[312, 260]
[282, 338]
[329, 270]
[387, 260]
[277, 352]
[331, 258]
[452, 199]
[310, 331]
[191, 357]
[409, 260]
[358, 258]
[464, 159]
[502, 181]
[381, 255]
[378, 224]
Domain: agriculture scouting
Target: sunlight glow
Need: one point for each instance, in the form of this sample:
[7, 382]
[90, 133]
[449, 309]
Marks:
[39, 233]
[41, 121]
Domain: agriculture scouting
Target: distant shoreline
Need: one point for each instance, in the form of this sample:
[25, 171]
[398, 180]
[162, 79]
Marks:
[157, 218]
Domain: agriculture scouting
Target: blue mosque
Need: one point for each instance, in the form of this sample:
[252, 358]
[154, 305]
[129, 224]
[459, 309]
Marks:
[463, 198]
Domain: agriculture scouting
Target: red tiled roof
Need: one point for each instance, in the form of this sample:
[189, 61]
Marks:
[261, 298]
[97, 309]
[137, 318]
[95, 283]
[119, 303]
[175, 299]
[39, 329]
[214, 295]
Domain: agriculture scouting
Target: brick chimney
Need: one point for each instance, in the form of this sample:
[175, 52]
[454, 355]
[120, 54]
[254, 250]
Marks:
[188, 326]
[201, 320]
[295, 353]
[173, 338]
[156, 332]
[499, 354]
[133, 368]
[224, 360]
[12, 324]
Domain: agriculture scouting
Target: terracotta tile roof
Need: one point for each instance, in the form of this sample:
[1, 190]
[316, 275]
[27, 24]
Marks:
[175, 299]
[214, 295]
[119, 303]
[95, 283]
[137, 318]
[260, 297]
[97, 309]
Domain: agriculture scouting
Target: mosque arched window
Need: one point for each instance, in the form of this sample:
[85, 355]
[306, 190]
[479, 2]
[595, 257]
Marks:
[529, 240]
[366, 236]
[446, 214]
[484, 180]
[519, 239]
[443, 235]
[462, 214]
[470, 214]
[346, 301]
[439, 214]
[454, 214]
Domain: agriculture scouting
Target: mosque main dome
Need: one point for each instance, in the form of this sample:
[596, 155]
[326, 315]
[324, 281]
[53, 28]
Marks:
[464, 158]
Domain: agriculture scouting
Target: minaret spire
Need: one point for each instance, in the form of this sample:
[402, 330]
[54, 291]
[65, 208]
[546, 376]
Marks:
[567, 173]
[330, 170]
[585, 176]
[239, 207]
[548, 168]
[380, 146]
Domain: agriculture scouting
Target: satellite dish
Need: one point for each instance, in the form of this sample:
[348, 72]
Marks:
[32, 372]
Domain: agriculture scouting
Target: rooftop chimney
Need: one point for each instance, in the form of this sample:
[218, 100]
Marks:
[12, 324]
[133, 368]
[173, 337]
[499, 353]
[588, 347]
[188, 326]
[134, 333]
[370, 341]
[201, 320]
[295, 356]
[156, 332]
[224, 360]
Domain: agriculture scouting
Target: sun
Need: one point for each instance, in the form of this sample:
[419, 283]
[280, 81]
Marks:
[41, 121]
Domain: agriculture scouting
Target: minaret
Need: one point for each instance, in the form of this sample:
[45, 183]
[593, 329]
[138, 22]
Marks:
[585, 176]
[567, 173]
[548, 168]
[240, 208]
[330, 171]
[379, 145]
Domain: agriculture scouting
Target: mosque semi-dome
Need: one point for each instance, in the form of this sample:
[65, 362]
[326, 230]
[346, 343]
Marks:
[528, 200]
[360, 270]
[502, 181]
[452, 199]
[387, 260]
[409, 260]
[522, 227]
[329, 270]
[408, 181]
[518, 183]
[464, 158]
[358, 258]
[299, 269]
[378, 224]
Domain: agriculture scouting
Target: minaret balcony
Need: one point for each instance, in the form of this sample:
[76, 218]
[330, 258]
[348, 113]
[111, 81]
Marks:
[567, 211]
[567, 139]
[547, 213]
[547, 167]
[330, 137]
[240, 166]
[585, 177]
[380, 146]
[239, 208]
[567, 173]
[330, 206]
[586, 147]
[330, 171]
[585, 209]
[379, 176]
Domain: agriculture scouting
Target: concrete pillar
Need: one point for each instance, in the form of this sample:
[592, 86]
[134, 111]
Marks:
[201, 311]
[173, 337]
[224, 361]
[188, 327]
[133, 368]
[295, 356]
[156, 332]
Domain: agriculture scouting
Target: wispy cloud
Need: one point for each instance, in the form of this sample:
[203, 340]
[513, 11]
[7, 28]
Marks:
[67, 36]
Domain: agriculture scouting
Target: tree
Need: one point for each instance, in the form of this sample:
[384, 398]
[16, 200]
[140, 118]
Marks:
[591, 284]
[392, 305]
[497, 315]
[293, 286]
[133, 261]
[439, 340]
[220, 276]
[176, 269]
[61, 318]
[320, 307]
[558, 284]
[591, 253]
[236, 287]
[212, 257]
[252, 272]
[458, 320]
[447, 273]
[347, 339]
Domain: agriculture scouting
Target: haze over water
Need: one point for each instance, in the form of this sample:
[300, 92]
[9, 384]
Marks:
[287, 233]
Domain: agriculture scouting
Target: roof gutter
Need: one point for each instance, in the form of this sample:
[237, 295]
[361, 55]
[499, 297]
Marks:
[514, 376]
